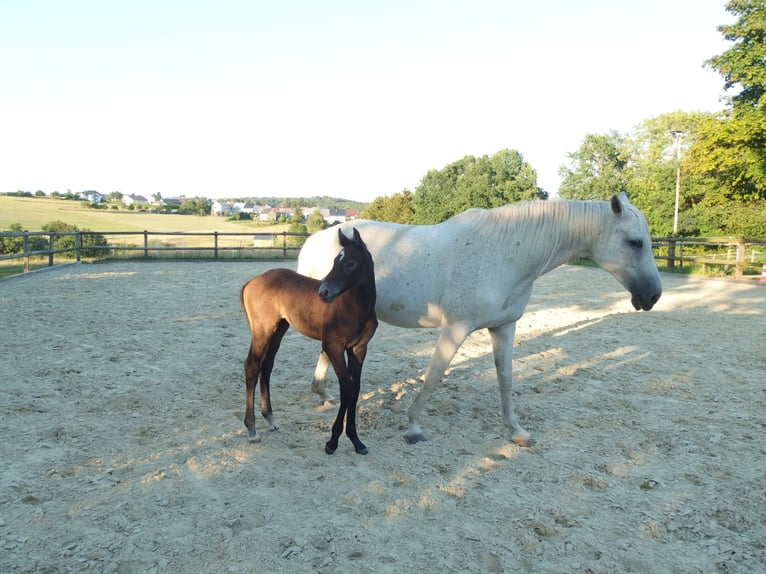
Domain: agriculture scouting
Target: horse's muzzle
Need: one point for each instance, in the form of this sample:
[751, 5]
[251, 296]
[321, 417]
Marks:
[645, 301]
[326, 294]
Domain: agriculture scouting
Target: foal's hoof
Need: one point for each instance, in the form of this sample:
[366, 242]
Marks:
[361, 449]
[415, 438]
[330, 448]
[252, 437]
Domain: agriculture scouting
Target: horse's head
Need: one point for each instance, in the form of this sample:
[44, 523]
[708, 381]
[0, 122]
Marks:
[351, 266]
[624, 249]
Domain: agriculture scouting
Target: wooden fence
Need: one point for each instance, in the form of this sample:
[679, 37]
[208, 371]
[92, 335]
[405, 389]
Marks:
[734, 255]
[152, 245]
[737, 254]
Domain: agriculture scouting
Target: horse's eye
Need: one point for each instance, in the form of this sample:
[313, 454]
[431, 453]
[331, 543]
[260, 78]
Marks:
[636, 243]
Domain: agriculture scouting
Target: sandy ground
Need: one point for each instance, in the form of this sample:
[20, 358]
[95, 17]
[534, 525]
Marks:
[123, 448]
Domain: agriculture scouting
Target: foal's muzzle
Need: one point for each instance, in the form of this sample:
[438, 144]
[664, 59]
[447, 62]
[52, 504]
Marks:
[326, 293]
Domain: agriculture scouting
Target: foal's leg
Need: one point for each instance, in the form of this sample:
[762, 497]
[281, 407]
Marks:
[450, 339]
[355, 361]
[349, 394]
[252, 370]
[266, 367]
[502, 348]
[319, 382]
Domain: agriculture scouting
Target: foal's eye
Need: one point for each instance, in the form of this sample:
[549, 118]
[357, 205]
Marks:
[636, 243]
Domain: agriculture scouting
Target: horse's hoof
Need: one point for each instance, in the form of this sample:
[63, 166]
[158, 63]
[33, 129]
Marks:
[330, 449]
[415, 438]
[362, 450]
[252, 437]
[525, 441]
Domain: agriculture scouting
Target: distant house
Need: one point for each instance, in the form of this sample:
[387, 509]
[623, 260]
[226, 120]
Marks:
[220, 208]
[267, 214]
[335, 216]
[134, 200]
[93, 197]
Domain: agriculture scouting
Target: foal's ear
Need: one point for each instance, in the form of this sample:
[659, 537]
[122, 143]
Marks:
[357, 237]
[342, 238]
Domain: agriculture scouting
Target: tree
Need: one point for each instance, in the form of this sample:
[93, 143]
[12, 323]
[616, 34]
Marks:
[743, 65]
[651, 171]
[598, 169]
[485, 182]
[293, 240]
[731, 148]
[195, 206]
[11, 245]
[315, 222]
[397, 208]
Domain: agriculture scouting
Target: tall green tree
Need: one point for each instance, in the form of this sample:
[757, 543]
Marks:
[651, 175]
[397, 208]
[731, 148]
[315, 222]
[485, 182]
[743, 65]
[598, 169]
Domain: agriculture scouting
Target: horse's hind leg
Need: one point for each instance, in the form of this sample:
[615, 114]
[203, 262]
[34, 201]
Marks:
[252, 370]
[266, 367]
[319, 381]
[502, 348]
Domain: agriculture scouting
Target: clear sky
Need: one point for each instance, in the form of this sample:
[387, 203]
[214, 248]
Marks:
[347, 98]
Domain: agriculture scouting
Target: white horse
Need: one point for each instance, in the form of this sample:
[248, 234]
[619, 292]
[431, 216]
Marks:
[476, 270]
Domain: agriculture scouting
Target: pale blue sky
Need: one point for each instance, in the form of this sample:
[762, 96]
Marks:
[351, 99]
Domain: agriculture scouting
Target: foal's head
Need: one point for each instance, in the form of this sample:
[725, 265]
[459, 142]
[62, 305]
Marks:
[352, 266]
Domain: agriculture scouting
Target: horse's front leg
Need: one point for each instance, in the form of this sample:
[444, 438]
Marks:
[349, 394]
[502, 348]
[355, 361]
[319, 382]
[450, 339]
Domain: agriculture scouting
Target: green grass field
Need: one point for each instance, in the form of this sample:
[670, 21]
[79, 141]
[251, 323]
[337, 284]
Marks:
[33, 213]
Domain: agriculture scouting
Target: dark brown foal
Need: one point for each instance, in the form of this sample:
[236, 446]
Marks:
[339, 311]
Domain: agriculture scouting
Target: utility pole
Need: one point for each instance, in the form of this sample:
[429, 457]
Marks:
[677, 134]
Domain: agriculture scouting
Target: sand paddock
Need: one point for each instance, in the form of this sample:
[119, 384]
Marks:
[123, 448]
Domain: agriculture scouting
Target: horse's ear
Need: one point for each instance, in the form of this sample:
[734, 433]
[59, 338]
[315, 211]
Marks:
[617, 205]
[357, 237]
[342, 238]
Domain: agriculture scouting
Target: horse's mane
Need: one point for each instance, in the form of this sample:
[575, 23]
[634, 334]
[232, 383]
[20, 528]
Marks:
[554, 222]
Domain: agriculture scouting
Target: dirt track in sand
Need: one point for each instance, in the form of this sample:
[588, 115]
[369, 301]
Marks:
[123, 447]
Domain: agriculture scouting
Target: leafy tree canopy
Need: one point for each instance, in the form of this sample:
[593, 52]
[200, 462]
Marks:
[485, 182]
[397, 208]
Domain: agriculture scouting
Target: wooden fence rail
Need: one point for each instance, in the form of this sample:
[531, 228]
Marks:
[736, 253]
[146, 244]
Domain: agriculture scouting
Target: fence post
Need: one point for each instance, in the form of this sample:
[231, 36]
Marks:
[740, 269]
[26, 250]
[215, 245]
[78, 245]
[146, 244]
[50, 249]
[284, 245]
[671, 254]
